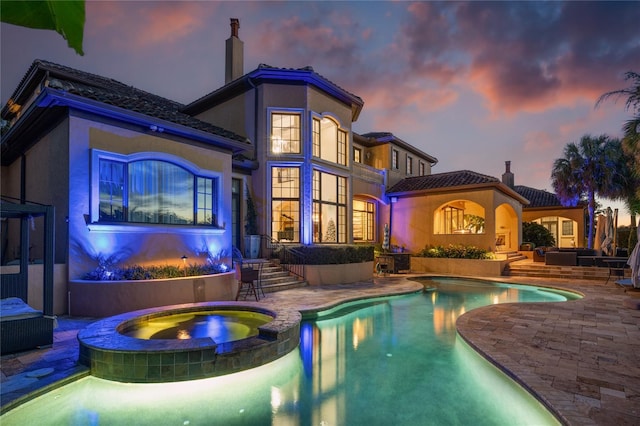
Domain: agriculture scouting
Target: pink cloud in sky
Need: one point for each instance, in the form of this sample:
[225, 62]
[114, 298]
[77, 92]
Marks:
[133, 28]
[528, 56]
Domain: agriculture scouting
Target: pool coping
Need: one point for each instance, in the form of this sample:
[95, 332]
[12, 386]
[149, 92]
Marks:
[114, 356]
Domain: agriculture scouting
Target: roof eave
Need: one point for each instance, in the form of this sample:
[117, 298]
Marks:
[52, 97]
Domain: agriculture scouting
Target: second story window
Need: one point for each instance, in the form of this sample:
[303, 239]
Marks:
[395, 162]
[357, 155]
[285, 133]
[409, 165]
[421, 168]
[329, 141]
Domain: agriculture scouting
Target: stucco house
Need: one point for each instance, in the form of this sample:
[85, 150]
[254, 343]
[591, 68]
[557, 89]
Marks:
[139, 179]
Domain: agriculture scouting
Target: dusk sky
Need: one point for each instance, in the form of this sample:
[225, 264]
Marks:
[473, 84]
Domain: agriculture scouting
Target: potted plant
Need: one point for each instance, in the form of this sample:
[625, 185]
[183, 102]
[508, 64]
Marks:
[251, 237]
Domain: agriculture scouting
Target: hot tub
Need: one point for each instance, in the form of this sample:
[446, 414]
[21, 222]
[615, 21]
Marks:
[186, 342]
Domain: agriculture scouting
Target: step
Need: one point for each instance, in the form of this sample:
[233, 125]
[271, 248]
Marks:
[284, 285]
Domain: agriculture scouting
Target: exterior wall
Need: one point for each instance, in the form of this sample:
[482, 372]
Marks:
[128, 244]
[237, 115]
[106, 298]
[339, 274]
[459, 267]
[413, 220]
[46, 182]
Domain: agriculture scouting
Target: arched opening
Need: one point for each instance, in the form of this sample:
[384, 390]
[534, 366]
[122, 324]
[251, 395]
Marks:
[459, 217]
[507, 230]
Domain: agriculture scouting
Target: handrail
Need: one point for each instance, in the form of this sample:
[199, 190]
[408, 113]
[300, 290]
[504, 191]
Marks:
[291, 260]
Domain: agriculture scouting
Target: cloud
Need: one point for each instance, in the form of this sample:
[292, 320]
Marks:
[525, 56]
[133, 26]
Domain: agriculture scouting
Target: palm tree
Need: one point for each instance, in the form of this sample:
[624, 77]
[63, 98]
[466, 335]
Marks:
[587, 169]
[631, 128]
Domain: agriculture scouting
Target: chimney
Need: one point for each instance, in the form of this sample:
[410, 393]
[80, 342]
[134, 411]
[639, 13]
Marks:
[507, 176]
[234, 63]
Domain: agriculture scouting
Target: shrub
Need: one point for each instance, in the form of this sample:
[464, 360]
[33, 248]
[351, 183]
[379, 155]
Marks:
[137, 272]
[457, 251]
[335, 255]
[537, 234]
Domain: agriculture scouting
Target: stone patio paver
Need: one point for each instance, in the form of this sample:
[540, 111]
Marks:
[580, 358]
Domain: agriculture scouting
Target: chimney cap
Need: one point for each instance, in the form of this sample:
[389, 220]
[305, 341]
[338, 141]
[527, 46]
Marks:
[235, 24]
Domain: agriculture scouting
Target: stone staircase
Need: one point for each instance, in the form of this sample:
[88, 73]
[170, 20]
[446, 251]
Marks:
[275, 278]
[511, 256]
[528, 268]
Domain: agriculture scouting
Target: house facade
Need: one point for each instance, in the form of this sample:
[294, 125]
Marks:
[139, 179]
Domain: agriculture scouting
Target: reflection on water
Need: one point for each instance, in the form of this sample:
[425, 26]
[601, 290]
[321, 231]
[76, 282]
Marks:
[221, 326]
[392, 361]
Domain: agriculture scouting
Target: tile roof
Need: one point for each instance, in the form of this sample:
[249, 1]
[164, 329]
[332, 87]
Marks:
[538, 197]
[112, 92]
[443, 180]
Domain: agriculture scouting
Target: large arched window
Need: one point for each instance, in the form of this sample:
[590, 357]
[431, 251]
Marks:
[459, 217]
[136, 189]
[329, 141]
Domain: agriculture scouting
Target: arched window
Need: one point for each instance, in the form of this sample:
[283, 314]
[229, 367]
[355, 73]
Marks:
[459, 217]
[146, 190]
[329, 141]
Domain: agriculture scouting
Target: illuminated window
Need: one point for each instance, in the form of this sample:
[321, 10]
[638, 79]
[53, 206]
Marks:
[357, 155]
[567, 227]
[329, 208]
[395, 162]
[329, 141]
[285, 133]
[364, 214]
[154, 191]
[459, 217]
[285, 204]
[409, 165]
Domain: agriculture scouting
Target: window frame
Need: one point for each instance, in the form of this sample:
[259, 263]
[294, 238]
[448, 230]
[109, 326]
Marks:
[409, 165]
[297, 229]
[341, 204]
[271, 112]
[357, 155]
[395, 159]
[127, 226]
[341, 139]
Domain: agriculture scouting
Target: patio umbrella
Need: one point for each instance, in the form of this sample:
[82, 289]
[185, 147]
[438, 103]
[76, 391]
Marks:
[634, 262]
[607, 243]
[385, 241]
[599, 237]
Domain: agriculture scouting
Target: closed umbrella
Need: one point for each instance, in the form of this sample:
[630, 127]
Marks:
[385, 241]
[597, 241]
[607, 243]
[634, 262]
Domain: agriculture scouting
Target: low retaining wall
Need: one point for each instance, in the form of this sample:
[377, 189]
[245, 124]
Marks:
[462, 267]
[339, 274]
[99, 299]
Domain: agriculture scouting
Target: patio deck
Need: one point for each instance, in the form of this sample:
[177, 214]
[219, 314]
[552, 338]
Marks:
[581, 357]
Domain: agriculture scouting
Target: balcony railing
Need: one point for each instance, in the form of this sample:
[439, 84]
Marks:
[369, 174]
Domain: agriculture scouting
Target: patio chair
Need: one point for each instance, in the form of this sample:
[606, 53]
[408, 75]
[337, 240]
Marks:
[249, 281]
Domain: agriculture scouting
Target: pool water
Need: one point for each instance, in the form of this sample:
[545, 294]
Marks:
[221, 326]
[393, 360]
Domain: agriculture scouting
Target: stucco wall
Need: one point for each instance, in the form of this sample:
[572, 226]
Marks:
[46, 182]
[132, 244]
[458, 267]
[413, 219]
[105, 298]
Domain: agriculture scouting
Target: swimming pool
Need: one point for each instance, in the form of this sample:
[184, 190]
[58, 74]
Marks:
[385, 360]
